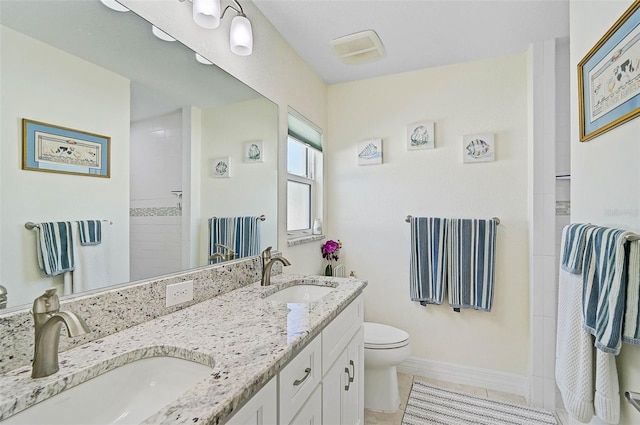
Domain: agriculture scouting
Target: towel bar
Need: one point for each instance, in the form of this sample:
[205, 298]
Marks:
[633, 398]
[409, 217]
[30, 225]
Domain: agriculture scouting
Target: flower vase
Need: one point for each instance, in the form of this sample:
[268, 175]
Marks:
[328, 271]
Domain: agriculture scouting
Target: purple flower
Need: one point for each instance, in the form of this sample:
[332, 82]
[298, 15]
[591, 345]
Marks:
[330, 249]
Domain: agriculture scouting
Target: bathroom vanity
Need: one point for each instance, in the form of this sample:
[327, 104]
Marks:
[273, 361]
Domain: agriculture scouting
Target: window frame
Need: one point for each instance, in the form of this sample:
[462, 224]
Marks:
[309, 179]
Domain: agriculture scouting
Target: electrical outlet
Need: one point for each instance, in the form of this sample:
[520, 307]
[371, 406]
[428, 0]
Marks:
[178, 293]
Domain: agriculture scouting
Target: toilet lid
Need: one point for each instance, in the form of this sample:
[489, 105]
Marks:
[377, 335]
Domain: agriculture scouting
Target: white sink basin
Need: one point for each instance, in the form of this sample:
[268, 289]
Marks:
[300, 294]
[128, 394]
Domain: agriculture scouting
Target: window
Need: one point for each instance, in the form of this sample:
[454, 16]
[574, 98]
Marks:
[304, 176]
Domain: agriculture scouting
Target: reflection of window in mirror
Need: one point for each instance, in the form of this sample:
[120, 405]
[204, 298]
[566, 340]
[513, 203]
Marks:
[304, 175]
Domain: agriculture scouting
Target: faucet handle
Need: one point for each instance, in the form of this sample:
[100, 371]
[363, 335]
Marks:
[47, 302]
[266, 255]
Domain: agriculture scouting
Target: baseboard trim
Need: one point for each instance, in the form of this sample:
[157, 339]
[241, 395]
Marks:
[465, 375]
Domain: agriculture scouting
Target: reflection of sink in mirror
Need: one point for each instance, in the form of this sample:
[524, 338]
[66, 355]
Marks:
[300, 294]
[128, 394]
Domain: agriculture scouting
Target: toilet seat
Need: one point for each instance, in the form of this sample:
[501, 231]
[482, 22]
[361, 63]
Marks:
[384, 337]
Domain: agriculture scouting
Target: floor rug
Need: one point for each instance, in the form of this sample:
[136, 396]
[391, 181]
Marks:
[429, 404]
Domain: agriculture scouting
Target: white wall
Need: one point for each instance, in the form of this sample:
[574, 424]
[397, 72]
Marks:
[370, 203]
[274, 70]
[605, 170]
[71, 93]
[252, 187]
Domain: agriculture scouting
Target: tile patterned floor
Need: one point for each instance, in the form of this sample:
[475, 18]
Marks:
[406, 381]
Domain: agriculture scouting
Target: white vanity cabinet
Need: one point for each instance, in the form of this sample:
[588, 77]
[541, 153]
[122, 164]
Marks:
[322, 384]
[261, 409]
[343, 381]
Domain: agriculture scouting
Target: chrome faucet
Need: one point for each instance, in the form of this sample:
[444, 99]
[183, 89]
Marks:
[267, 264]
[48, 320]
[229, 254]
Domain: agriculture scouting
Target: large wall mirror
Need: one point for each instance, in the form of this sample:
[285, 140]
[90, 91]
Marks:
[170, 120]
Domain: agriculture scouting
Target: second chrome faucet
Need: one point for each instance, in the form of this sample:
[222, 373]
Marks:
[267, 264]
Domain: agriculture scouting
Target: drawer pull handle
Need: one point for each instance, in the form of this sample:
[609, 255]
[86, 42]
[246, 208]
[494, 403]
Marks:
[353, 368]
[307, 372]
[349, 381]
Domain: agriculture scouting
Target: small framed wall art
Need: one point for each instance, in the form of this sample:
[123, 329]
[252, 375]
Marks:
[478, 148]
[221, 167]
[420, 136]
[370, 152]
[253, 151]
[55, 149]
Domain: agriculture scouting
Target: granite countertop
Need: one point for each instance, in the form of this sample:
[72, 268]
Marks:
[221, 331]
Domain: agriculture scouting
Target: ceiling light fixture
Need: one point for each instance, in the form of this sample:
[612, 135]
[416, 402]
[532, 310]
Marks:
[114, 5]
[206, 13]
[161, 34]
[203, 60]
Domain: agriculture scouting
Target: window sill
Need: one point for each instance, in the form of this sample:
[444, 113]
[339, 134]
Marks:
[304, 239]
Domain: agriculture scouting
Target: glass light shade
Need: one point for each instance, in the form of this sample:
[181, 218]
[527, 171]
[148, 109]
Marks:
[114, 5]
[203, 60]
[206, 13]
[161, 34]
[241, 36]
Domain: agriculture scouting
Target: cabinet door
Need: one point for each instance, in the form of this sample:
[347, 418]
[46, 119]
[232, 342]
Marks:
[354, 405]
[311, 411]
[334, 395]
[260, 409]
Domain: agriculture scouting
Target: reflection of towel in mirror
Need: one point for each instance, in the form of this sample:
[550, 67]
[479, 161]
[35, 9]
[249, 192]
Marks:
[90, 232]
[241, 234]
[92, 265]
[55, 248]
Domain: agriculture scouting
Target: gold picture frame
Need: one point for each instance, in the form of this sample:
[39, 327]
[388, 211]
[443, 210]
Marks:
[54, 149]
[609, 77]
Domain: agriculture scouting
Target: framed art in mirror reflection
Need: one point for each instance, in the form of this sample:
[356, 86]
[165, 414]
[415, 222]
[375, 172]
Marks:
[51, 148]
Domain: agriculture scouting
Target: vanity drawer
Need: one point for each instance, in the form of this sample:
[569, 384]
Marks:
[298, 379]
[339, 332]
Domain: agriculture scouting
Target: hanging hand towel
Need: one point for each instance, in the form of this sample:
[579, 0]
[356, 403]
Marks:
[55, 248]
[471, 263]
[605, 280]
[573, 247]
[247, 240]
[631, 330]
[427, 274]
[222, 230]
[90, 232]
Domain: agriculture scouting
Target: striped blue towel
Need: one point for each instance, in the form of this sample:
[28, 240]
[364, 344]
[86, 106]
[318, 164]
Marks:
[90, 232]
[605, 280]
[247, 241]
[631, 330]
[427, 274]
[471, 263]
[242, 234]
[222, 230]
[573, 247]
[55, 248]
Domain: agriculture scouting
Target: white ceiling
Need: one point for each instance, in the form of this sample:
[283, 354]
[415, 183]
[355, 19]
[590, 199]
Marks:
[416, 33]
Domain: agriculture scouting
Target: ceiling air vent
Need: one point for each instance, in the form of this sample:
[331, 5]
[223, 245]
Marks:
[360, 47]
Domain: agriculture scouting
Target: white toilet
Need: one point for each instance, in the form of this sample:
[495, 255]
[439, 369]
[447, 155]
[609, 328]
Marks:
[385, 347]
